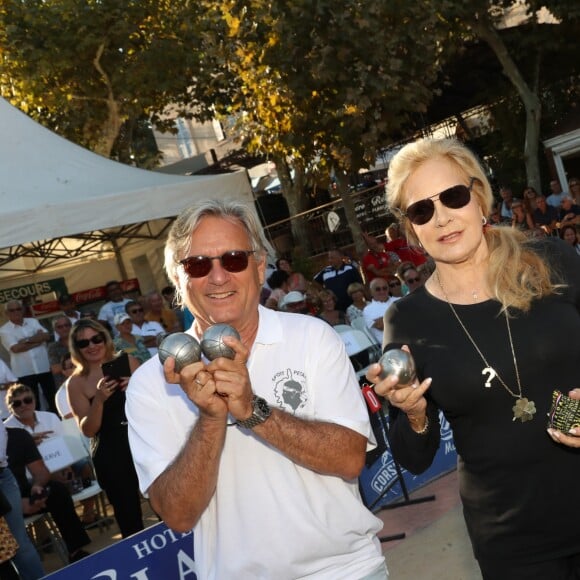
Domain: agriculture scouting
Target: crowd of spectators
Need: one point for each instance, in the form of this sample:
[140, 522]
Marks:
[539, 215]
[35, 399]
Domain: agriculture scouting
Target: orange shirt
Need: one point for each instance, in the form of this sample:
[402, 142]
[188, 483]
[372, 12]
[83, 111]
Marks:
[167, 319]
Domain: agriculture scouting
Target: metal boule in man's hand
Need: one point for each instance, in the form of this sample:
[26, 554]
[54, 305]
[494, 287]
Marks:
[212, 341]
[183, 347]
[400, 363]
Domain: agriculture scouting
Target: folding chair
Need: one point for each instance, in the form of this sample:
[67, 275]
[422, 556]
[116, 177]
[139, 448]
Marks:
[35, 525]
[78, 446]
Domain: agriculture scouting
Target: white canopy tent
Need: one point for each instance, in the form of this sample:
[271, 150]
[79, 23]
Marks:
[58, 200]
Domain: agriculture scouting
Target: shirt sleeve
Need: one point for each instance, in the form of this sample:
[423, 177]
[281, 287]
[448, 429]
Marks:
[6, 374]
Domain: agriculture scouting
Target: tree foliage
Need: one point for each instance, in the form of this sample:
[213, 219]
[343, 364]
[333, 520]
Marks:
[318, 86]
[536, 55]
[323, 85]
[90, 69]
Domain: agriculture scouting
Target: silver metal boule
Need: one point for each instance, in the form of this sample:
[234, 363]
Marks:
[212, 343]
[398, 362]
[183, 347]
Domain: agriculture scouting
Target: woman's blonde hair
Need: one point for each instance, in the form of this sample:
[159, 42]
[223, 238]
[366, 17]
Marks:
[81, 366]
[517, 275]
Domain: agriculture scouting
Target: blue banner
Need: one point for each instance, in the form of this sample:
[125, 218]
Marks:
[380, 485]
[154, 553]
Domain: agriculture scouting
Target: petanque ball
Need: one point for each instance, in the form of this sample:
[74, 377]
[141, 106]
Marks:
[398, 362]
[183, 347]
[212, 344]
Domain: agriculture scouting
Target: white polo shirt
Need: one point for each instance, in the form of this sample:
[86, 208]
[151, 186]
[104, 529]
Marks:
[45, 421]
[374, 310]
[269, 517]
[33, 361]
[149, 328]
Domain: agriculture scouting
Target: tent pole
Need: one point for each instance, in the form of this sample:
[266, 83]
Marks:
[120, 264]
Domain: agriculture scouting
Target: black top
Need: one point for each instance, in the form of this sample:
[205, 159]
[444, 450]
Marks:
[111, 443]
[516, 484]
[21, 450]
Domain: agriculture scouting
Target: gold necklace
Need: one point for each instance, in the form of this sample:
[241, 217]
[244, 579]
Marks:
[523, 409]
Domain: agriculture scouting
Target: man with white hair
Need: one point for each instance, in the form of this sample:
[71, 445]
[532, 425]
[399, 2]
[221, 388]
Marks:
[259, 454]
[374, 311]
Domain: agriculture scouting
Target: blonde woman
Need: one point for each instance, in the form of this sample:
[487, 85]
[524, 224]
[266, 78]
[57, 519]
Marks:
[98, 404]
[489, 333]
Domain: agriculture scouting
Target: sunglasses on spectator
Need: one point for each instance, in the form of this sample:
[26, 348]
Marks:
[96, 339]
[413, 280]
[393, 284]
[19, 402]
[200, 266]
[456, 197]
[136, 310]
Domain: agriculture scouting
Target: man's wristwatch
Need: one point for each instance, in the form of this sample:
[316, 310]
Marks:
[260, 412]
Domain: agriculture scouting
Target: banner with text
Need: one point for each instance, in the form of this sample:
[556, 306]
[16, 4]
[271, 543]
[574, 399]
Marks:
[380, 484]
[31, 292]
[154, 553]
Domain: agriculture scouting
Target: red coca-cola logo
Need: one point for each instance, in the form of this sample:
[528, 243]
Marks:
[91, 295]
[100, 293]
[46, 307]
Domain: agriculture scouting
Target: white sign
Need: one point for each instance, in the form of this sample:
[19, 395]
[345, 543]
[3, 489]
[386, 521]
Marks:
[55, 453]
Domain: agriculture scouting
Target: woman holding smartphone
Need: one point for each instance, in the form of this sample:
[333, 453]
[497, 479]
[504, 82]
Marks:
[98, 404]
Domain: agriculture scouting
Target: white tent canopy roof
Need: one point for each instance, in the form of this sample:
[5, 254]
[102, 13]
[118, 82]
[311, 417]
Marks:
[52, 188]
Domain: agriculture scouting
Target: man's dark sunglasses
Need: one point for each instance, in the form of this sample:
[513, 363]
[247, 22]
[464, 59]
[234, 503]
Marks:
[19, 402]
[394, 284]
[413, 280]
[200, 266]
[456, 197]
[84, 342]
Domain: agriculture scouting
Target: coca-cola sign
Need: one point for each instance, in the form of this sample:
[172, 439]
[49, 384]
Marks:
[100, 292]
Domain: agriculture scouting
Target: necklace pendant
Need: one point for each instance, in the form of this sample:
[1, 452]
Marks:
[524, 410]
[491, 375]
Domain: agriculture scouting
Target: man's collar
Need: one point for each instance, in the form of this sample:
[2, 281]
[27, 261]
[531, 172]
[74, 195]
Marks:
[269, 327]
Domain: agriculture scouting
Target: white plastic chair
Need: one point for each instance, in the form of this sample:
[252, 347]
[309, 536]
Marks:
[360, 349]
[340, 328]
[360, 324]
[78, 445]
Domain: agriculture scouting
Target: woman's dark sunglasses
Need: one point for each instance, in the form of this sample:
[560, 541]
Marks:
[200, 266]
[19, 402]
[84, 342]
[458, 196]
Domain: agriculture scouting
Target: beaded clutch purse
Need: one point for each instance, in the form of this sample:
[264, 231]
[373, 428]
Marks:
[564, 413]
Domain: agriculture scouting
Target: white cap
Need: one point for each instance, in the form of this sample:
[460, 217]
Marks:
[121, 317]
[291, 298]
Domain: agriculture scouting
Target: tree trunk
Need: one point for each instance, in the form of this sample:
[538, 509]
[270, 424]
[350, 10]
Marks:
[114, 122]
[293, 189]
[486, 31]
[348, 204]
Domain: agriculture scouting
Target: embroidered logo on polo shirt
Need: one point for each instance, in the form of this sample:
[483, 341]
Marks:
[290, 390]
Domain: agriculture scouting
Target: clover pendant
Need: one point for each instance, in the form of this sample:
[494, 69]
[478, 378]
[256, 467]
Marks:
[524, 410]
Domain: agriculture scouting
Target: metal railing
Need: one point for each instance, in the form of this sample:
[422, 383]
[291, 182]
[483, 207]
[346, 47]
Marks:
[326, 225]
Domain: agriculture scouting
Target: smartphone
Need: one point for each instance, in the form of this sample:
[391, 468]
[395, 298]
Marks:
[117, 368]
[36, 496]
